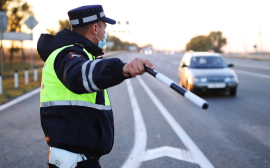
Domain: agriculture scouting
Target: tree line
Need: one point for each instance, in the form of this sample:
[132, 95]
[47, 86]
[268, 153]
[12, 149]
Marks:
[18, 9]
[214, 41]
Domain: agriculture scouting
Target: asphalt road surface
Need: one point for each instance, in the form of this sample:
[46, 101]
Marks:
[156, 127]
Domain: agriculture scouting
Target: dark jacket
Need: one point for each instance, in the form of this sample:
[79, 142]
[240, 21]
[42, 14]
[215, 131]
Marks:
[79, 129]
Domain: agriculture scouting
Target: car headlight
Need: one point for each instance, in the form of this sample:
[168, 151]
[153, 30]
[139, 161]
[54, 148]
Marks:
[197, 79]
[230, 79]
[203, 80]
[192, 80]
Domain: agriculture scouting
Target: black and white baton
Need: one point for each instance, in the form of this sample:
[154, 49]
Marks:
[187, 94]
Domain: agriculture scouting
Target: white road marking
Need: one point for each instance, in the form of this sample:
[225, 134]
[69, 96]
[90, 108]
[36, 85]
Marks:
[135, 158]
[252, 66]
[168, 151]
[252, 74]
[19, 99]
[197, 154]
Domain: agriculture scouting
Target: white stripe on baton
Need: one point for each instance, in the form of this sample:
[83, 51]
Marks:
[187, 94]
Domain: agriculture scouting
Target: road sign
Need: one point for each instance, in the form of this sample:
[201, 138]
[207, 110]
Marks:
[31, 22]
[3, 21]
[3, 27]
[132, 48]
[17, 36]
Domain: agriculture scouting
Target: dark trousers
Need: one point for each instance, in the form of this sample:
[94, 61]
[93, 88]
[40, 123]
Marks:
[92, 163]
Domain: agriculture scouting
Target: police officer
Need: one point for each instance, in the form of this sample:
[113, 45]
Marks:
[75, 110]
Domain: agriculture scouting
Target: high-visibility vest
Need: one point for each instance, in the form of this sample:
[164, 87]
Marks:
[54, 93]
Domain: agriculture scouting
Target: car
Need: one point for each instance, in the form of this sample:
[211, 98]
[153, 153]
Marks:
[206, 71]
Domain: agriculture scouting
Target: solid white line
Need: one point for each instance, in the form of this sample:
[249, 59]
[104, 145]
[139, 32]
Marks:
[252, 74]
[135, 158]
[197, 154]
[19, 99]
[252, 66]
[168, 151]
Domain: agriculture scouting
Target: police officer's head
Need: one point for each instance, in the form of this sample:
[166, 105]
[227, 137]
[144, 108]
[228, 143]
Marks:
[90, 21]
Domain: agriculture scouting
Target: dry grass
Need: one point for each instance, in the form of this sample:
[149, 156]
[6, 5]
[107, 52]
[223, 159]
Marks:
[10, 92]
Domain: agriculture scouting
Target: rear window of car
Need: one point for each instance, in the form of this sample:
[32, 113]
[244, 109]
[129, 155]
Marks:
[207, 62]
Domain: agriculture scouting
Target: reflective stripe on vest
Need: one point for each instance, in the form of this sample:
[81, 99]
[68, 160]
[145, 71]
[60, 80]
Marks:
[75, 103]
[54, 93]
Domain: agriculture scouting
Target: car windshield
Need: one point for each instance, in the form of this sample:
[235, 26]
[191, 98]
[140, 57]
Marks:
[207, 62]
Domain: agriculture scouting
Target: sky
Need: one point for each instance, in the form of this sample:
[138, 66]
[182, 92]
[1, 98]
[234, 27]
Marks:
[170, 24]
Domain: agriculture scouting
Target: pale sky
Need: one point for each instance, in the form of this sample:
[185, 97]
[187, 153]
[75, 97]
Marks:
[171, 24]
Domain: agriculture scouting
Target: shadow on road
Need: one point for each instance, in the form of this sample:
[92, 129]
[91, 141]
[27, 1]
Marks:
[215, 95]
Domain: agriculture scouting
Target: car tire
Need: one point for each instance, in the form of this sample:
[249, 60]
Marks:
[233, 92]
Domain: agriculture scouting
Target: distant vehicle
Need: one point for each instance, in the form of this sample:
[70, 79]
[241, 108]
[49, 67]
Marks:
[206, 71]
[132, 48]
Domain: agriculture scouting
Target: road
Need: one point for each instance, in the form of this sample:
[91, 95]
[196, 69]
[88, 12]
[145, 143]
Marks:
[156, 127]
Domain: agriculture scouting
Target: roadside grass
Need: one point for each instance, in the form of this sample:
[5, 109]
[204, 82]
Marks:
[9, 91]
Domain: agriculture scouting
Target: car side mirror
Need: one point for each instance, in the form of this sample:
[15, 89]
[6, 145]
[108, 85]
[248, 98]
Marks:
[184, 65]
[230, 65]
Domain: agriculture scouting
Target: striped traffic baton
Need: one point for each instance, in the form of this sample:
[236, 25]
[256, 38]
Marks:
[187, 94]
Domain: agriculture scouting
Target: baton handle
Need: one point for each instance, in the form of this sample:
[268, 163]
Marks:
[187, 94]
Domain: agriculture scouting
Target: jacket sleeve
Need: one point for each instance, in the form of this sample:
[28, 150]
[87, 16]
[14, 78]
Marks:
[81, 75]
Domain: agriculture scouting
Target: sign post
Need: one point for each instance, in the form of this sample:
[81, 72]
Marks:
[255, 47]
[3, 28]
[31, 22]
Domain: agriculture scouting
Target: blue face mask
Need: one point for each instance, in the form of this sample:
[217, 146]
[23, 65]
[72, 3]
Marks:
[102, 43]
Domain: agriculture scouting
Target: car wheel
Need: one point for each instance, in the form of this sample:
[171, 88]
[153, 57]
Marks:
[233, 92]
